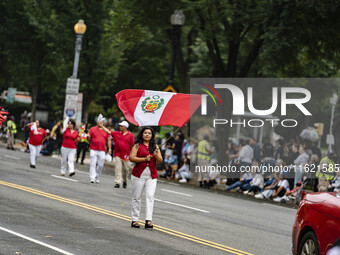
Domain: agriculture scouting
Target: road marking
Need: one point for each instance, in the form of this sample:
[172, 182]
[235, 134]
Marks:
[64, 178]
[128, 218]
[184, 206]
[179, 193]
[36, 241]
[171, 183]
[278, 206]
[12, 157]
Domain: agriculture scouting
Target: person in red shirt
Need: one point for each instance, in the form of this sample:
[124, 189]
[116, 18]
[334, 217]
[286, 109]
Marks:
[36, 137]
[124, 141]
[69, 148]
[98, 139]
[145, 153]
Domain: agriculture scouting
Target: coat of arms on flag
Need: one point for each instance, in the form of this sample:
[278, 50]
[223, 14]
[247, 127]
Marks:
[150, 105]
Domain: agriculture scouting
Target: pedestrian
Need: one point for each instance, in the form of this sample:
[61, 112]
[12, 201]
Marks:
[35, 141]
[68, 148]
[203, 159]
[98, 139]
[124, 140]
[83, 144]
[145, 153]
[11, 131]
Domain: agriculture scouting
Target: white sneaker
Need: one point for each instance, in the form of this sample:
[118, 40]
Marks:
[259, 196]
[277, 199]
[245, 192]
[251, 193]
[183, 181]
[97, 180]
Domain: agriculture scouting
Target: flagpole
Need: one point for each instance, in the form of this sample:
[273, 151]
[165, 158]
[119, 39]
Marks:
[177, 130]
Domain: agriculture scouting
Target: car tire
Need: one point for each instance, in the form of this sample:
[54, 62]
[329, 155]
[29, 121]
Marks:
[309, 244]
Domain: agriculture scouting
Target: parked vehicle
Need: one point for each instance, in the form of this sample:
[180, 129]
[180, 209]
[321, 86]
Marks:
[317, 224]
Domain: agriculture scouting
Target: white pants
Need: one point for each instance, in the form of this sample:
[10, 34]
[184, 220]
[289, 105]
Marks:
[96, 156]
[122, 169]
[34, 153]
[67, 156]
[138, 185]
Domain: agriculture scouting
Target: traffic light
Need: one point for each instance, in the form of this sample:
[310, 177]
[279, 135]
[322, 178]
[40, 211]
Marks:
[319, 128]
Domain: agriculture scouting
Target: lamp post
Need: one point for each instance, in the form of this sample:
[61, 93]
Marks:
[177, 20]
[333, 100]
[73, 100]
[80, 29]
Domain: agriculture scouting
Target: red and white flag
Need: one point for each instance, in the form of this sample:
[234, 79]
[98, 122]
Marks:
[157, 108]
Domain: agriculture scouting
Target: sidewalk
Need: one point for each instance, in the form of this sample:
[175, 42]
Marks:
[109, 170]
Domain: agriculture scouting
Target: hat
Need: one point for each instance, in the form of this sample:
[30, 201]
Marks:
[100, 118]
[299, 183]
[330, 152]
[124, 124]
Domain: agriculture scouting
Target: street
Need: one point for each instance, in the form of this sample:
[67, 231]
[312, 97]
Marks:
[44, 213]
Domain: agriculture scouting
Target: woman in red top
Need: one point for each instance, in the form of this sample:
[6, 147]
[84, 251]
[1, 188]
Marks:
[69, 148]
[36, 138]
[144, 153]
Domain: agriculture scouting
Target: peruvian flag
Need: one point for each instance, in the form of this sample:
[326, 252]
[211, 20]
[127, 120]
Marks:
[157, 108]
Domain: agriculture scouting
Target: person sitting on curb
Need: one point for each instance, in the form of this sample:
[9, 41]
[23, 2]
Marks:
[214, 175]
[243, 183]
[184, 171]
[256, 184]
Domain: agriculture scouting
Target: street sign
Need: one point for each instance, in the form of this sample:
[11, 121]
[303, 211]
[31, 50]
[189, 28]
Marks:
[170, 88]
[11, 95]
[72, 86]
[330, 139]
[70, 112]
[79, 109]
[71, 103]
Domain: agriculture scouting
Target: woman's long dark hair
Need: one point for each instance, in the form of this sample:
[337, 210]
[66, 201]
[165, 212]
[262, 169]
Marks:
[152, 144]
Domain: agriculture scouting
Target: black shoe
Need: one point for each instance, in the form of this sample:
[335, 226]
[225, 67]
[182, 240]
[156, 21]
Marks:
[148, 224]
[12, 149]
[76, 161]
[117, 185]
[82, 163]
[135, 224]
[8, 148]
[73, 173]
[32, 166]
[124, 185]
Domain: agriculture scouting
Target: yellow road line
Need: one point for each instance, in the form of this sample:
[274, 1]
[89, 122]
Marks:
[127, 218]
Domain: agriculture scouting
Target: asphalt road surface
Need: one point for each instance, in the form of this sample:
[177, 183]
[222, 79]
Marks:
[44, 213]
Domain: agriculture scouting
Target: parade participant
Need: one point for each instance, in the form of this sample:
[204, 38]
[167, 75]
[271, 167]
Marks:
[37, 135]
[98, 138]
[144, 153]
[83, 144]
[11, 131]
[68, 148]
[123, 140]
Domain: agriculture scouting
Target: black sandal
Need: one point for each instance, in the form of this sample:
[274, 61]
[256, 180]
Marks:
[135, 224]
[148, 224]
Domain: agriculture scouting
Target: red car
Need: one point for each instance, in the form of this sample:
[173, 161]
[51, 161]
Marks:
[317, 224]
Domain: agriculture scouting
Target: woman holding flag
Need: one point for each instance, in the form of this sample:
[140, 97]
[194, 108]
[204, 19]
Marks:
[145, 153]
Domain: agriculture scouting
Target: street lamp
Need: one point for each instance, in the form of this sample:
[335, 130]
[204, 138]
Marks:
[333, 100]
[73, 99]
[80, 29]
[177, 20]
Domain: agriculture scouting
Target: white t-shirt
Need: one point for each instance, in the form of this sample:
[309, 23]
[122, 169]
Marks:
[214, 174]
[284, 183]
